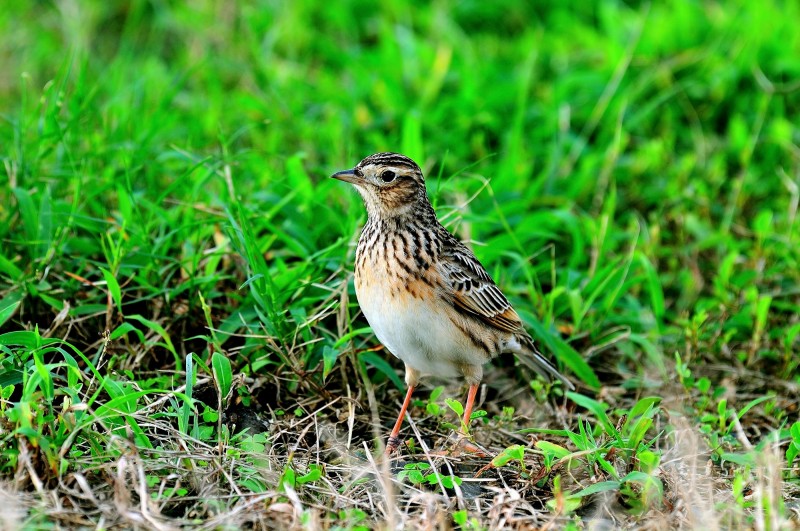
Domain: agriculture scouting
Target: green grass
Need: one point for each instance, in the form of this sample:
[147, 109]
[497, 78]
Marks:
[175, 264]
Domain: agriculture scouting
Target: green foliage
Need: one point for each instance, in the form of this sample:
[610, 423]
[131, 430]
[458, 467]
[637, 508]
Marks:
[222, 374]
[431, 406]
[290, 479]
[419, 473]
[793, 450]
[514, 453]
[455, 406]
[610, 448]
[463, 521]
[171, 249]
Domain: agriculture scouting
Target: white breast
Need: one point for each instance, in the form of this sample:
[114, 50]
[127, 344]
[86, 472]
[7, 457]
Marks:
[414, 329]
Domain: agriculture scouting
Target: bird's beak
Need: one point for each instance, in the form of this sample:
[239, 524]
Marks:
[347, 176]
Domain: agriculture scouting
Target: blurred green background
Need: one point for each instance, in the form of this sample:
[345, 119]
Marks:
[628, 172]
[657, 139]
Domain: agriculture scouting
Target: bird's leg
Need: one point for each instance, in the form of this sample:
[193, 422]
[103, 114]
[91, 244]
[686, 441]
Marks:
[394, 439]
[473, 390]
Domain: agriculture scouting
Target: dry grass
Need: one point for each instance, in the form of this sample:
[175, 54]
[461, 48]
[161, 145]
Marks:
[115, 490]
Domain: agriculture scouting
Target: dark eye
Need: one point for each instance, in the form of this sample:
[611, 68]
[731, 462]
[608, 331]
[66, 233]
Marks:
[387, 176]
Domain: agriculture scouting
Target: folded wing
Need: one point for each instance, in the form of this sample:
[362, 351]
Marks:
[475, 293]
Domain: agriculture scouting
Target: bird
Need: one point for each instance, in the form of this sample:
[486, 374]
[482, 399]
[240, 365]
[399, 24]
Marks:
[425, 295]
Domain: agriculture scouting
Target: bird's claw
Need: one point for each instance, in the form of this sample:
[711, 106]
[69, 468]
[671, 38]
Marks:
[392, 445]
[463, 445]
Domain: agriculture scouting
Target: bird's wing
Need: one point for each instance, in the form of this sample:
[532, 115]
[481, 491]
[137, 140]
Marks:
[474, 291]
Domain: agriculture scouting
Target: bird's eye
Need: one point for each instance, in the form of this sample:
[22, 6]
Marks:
[387, 176]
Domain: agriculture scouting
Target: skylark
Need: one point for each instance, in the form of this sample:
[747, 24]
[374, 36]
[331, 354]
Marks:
[427, 298]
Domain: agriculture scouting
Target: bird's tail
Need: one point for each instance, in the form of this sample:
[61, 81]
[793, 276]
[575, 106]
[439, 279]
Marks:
[530, 356]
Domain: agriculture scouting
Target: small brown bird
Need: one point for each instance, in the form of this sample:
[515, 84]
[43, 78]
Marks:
[427, 298]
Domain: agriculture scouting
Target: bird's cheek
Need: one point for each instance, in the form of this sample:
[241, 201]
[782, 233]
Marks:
[371, 199]
[364, 193]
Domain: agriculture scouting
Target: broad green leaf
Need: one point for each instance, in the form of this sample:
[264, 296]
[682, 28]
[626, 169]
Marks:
[221, 366]
[113, 288]
[329, 357]
[552, 449]
[288, 479]
[568, 355]
[314, 473]
[123, 329]
[436, 393]
[382, 366]
[44, 373]
[187, 408]
[9, 269]
[739, 459]
[654, 288]
[350, 335]
[512, 453]
[643, 406]
[598, 409]
[455, 405]
[600, 486]
[9, 305]
[753, 403]
[28, 339]
[448, 482]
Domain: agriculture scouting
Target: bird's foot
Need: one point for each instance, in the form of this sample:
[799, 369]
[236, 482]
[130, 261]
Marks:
[392, 445]
[460, 444]
[464, 445]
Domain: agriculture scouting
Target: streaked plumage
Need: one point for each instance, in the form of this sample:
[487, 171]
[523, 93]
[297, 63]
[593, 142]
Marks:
[427, 298]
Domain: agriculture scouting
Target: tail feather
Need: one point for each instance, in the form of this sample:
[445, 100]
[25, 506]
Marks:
[530, 356]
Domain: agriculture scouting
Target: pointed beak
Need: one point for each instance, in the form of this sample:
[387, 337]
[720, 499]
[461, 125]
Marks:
[347, 176]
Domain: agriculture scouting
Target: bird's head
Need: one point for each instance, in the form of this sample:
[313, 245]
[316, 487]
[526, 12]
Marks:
[391, 184]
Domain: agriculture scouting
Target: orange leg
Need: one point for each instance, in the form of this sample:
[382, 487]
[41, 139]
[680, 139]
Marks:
[394, 439]
[473, 390]
[462, 444]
